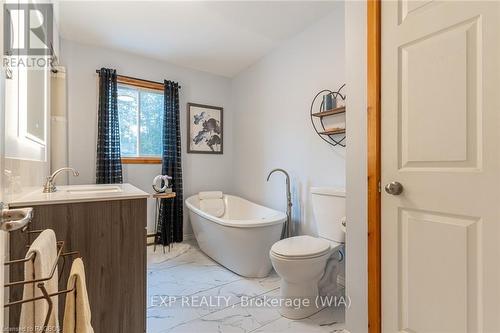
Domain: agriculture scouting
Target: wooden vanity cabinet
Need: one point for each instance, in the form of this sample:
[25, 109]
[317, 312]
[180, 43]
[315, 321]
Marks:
[111, 239]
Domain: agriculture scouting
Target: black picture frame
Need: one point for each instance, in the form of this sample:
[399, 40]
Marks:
[205, 130]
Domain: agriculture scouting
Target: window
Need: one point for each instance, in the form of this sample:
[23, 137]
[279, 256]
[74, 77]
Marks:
[140, 112]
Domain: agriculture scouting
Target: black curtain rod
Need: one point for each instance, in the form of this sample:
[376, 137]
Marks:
[134, 78]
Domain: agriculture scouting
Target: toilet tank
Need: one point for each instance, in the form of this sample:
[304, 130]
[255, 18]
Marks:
[329, 208]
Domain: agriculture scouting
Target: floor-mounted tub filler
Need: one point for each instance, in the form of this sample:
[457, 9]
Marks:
[239, 236]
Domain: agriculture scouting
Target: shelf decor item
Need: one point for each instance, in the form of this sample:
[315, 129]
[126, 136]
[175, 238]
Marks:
[161, 184]
[329, 101]
[332, 104]
[205, 131]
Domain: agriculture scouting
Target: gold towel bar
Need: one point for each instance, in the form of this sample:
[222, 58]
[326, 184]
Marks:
[53, 270]
[45, 296]
[41, 281]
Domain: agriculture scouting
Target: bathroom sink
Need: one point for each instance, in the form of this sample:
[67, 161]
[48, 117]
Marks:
[77, 193]
[81, 190]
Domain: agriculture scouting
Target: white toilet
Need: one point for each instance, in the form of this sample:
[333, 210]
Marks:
[300, 261]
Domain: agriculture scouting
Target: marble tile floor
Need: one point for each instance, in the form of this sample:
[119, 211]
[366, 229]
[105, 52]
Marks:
[189, 292]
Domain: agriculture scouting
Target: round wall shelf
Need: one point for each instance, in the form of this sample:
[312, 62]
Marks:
[334, 136]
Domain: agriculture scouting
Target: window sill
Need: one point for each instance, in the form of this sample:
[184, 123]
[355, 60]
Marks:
[141, 160]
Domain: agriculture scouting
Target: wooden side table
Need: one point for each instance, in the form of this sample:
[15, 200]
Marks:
[158, 197]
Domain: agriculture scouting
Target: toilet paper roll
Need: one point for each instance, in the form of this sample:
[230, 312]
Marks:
[160, 179]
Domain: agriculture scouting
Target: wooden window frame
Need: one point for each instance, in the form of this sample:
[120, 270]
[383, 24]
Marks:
[374, 166]
[141, 160]
[131, 81]
[138, 83]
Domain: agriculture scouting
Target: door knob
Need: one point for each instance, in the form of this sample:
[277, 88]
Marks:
[394, 188]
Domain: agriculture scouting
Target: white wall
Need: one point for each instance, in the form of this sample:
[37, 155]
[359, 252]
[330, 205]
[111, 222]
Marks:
[200, 171]
[271, 102]
[356, 181]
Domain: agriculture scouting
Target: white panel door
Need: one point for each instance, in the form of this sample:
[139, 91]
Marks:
[441, 141]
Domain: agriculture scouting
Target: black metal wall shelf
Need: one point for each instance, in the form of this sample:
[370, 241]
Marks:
[333, 136]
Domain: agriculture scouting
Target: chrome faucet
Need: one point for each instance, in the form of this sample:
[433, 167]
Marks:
[287, 230]
[49, 186]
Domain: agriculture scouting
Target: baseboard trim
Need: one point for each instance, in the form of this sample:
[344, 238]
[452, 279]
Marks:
[188, 236]
[185, 237]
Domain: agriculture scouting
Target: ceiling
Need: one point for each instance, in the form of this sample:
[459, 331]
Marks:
[220, 37]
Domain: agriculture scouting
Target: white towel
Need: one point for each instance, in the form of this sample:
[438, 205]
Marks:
[77, 308]
[210, 195]
[213, 207]
[33, 313]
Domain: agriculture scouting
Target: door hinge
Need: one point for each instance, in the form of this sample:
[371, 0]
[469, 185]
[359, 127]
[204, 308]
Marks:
[379, 187]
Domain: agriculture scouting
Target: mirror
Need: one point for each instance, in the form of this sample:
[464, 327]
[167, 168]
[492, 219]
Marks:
[26, 113]
[36, 105]
[33, 103]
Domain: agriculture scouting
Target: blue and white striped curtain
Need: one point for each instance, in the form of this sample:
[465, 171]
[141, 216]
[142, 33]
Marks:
[108, 163]
[171, 210]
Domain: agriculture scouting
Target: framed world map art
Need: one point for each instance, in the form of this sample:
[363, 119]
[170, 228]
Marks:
[205, 134]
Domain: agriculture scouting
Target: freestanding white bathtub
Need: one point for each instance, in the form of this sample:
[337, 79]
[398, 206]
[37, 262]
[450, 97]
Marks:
[241, 239]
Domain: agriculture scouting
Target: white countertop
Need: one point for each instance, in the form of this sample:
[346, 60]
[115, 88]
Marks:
[77, 193]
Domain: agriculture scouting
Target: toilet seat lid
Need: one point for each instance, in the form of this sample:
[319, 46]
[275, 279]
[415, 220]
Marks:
[301, 247]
